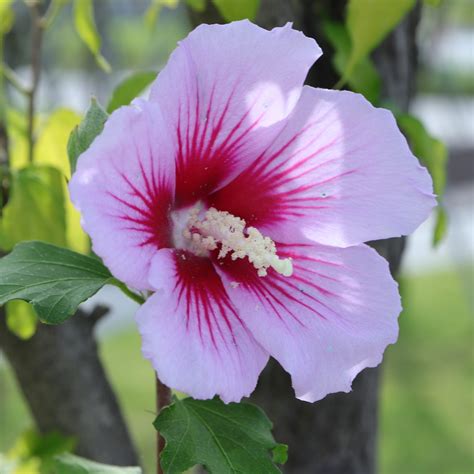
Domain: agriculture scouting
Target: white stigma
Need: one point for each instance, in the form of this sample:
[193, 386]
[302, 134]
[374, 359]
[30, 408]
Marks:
[220, 227]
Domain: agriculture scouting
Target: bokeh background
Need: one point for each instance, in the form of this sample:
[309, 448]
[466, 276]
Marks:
[427, 399]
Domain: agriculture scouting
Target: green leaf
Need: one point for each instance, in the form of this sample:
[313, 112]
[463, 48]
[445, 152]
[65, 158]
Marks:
[364, 78]
[441, 226]
[17, 129]
[51, 148]
[369, 22]
[197, 5]
[21, 319]
[32, 444]
[429, 150]
[83, 135]
[280, 454]
[130, 88]
[153, 11]
[232, 10]
[53, 137]
[35, 209]
[433, 154]
[225, 439]
[7, 16]
[87, 31]
[53, 279]
[71, 464]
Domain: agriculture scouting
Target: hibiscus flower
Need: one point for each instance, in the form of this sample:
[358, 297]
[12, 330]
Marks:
[240, 201]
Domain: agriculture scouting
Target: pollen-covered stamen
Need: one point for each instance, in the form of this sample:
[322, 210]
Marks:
[220, 227]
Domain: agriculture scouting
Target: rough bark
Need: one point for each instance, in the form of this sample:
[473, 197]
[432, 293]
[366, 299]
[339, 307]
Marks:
[64, 383]
[337, 435]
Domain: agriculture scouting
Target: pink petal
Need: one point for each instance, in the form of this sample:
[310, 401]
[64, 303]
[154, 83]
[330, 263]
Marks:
[192, 332]
[341, 172]
[124, 187]
[332, 318]
[221, 86]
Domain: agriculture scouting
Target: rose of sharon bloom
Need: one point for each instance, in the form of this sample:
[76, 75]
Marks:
[242, 199]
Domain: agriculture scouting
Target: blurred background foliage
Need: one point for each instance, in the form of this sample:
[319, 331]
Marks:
[92, 47]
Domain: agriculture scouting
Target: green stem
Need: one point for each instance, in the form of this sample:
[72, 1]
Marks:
[52, 12]
[132, 295]
[12, 77]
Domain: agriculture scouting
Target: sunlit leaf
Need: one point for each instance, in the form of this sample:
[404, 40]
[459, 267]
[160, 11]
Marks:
[35, 209]
[53, 279]
[71, 464]
[17, 138]
[21, 318]
[225, 439]
[130, 88]
[232, 10]
[32, 444]
[76, 238]
[33, 453]
[83, 135]
[153, 11]
[364, 78]
[7, 16]
[369, 22]
[87, 30]
[53, 138]
[51, 149]
[433, 154]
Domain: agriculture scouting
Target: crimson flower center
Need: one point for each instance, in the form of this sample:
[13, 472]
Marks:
[202, 232]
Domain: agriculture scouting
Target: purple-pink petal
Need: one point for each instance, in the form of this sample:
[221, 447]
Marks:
[192, 332]
[222, 86]
[331, 319]
[340, 173]
[124, 188]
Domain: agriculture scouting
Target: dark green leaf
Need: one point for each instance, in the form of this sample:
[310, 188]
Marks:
[83, 135]
[364, 78]
[71, 464]
[53, 279]
[87, 30]
[232, 10]
[368, 22]
[433, 154]
[36, 209]
[130, 88]
[226, 439]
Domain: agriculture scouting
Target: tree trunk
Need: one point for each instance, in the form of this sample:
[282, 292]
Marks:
[337, 435]
[64, 383]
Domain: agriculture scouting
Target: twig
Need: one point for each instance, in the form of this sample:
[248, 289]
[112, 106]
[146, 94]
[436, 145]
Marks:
[36, 41]
[163, 399]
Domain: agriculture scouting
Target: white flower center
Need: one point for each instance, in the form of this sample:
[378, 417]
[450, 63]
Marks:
[203, 234]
